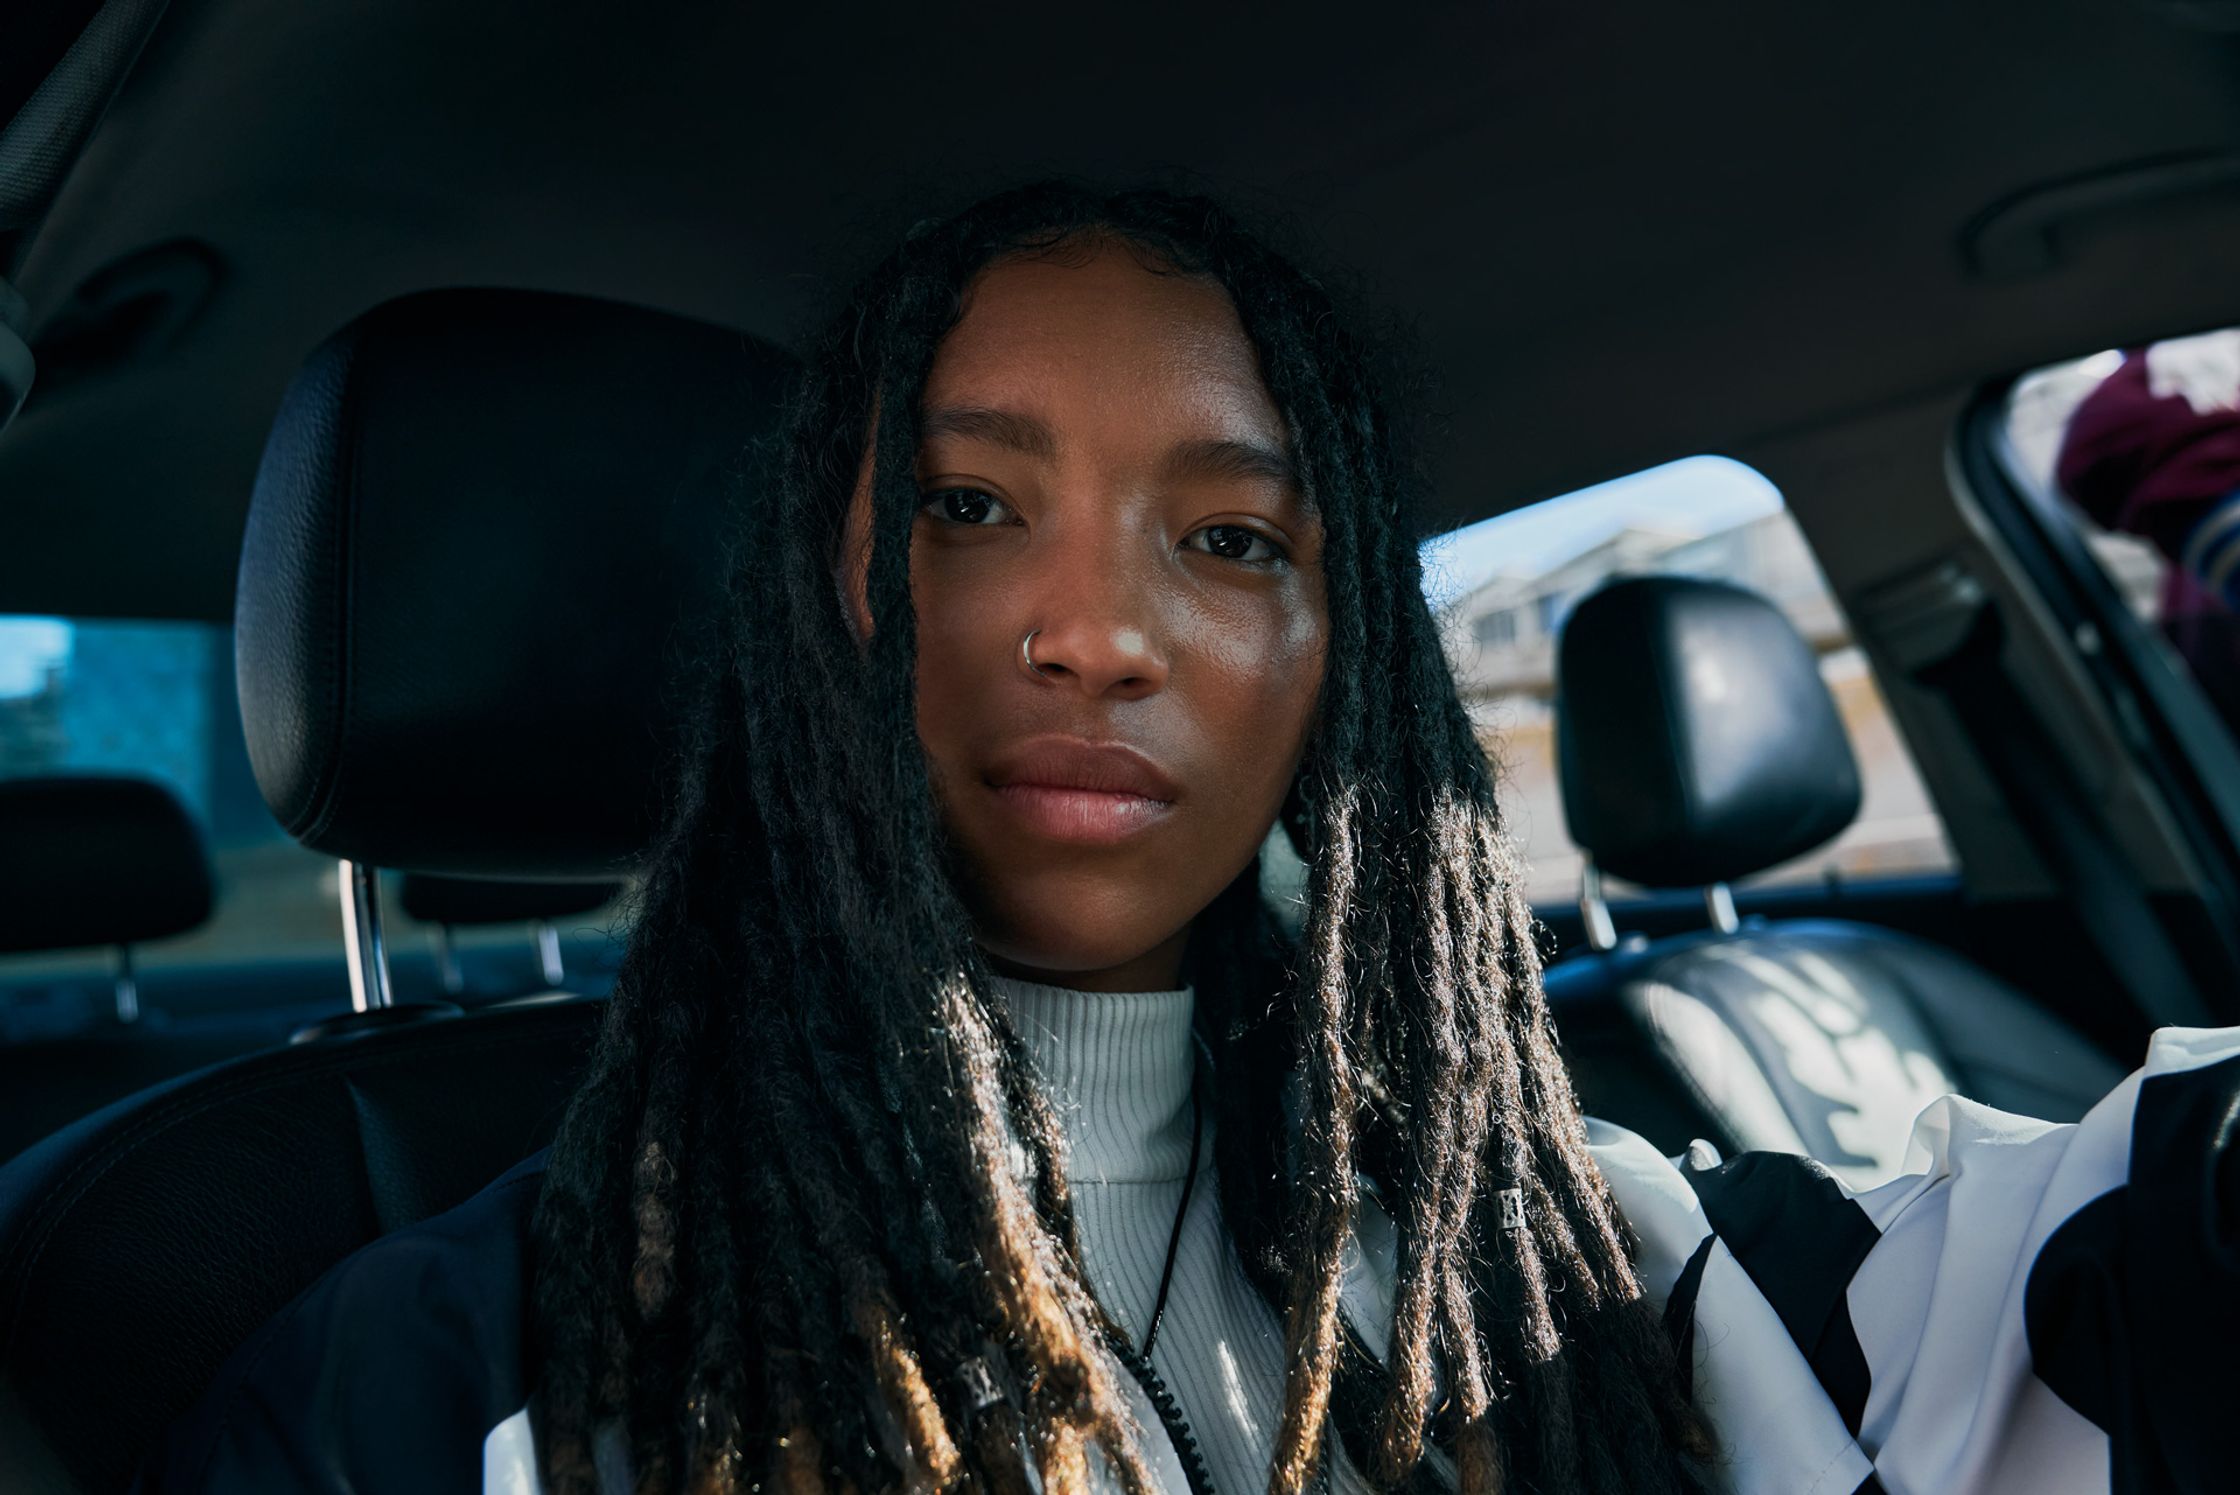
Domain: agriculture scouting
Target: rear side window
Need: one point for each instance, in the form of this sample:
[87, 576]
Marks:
[2139, 450]
[1504, 587]
[156, 700]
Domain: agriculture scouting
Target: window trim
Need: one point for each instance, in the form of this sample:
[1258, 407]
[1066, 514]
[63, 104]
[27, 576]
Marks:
[2164, 723]
[1728, 551]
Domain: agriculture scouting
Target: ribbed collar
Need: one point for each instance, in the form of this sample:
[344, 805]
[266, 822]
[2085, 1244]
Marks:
[1117, 1068]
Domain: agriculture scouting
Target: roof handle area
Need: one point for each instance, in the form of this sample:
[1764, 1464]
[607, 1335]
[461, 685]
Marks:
[2026, 234]
[39, 146]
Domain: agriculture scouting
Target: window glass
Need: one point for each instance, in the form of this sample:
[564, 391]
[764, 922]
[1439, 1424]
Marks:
[2140, 448]
[157, 700]
[1503, 588]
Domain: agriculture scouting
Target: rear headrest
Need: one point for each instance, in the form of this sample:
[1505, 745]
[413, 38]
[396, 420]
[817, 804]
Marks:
[488, 527]
[1696, 739]
[97, 861]
[481, 900]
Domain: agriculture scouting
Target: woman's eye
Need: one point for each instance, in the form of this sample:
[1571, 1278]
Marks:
[966, 506]
[1234, 542]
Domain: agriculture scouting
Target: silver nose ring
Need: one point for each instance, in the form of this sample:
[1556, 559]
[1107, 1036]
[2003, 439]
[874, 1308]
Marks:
[1026, 655]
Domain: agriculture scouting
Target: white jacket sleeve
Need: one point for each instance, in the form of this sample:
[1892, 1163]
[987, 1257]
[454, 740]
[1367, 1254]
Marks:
[2029, 1309]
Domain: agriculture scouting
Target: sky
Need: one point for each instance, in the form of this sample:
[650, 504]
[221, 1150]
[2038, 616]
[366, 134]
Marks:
[1694, 496]
[27, 647]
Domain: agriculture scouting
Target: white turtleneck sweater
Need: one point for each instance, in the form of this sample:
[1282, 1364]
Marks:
[1117, 1068]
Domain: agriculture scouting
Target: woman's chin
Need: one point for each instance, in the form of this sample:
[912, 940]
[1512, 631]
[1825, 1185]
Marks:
[1114, 961]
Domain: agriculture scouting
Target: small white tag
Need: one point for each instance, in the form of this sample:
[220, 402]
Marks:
[979, 1385]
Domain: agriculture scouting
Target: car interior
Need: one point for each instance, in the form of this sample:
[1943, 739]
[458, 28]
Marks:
[418, 355]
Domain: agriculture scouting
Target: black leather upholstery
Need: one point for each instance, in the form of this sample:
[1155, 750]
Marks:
[446, 467]
[140, 1245]
[91, 860]
[1697, 742]
[1814, 1036]
[486, 529]
[481, 900]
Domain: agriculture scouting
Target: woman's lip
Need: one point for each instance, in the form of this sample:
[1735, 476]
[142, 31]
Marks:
[1058, 761]
[1065, 788]
[1089, 817]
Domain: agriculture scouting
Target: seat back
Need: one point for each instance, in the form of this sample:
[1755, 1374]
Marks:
[1698, 744]
[141, 1244]
[489, 529]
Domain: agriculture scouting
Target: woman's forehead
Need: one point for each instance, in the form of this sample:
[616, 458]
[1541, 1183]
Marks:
[1056, 333]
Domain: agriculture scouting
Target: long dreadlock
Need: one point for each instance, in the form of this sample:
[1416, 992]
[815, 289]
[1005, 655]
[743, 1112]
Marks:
[807, 1221]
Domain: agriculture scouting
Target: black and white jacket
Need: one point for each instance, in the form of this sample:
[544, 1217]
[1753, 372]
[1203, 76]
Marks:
[2028, 1309]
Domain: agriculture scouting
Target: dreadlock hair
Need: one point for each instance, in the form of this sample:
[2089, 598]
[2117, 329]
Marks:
[807, 1223]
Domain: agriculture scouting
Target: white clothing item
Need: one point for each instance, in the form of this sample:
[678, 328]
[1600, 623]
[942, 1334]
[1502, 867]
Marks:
[1980, 1325]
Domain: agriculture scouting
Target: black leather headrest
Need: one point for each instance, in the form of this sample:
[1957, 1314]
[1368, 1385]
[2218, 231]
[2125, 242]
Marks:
[1697, 741]
[488, 527]
[483, 900]
[97, 861]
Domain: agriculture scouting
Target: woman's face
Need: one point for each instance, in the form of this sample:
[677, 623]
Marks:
[1104, 469]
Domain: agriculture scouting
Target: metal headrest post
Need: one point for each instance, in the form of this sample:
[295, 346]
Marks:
[128, 987]
[361, 937]
[1594, 909]
[548, 951]
[447, 962]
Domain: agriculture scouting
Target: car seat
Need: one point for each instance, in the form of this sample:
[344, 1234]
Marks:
[90, 861]
[486, 525]
[1697, 745]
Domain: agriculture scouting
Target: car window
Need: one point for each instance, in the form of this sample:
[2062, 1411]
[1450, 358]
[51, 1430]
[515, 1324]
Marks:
[157, 699]
[1503, 587]
[2139, 450]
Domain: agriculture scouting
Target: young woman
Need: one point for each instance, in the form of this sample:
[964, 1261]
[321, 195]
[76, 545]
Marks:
[963, 1122]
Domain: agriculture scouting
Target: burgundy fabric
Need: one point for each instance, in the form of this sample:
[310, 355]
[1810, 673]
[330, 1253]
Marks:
[2146, 464]
[2154, 466]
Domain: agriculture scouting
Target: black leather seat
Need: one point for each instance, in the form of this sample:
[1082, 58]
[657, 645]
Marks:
[97, 859]
[140, 1245]
[486, 525]
[92, 860]
[1698, 744]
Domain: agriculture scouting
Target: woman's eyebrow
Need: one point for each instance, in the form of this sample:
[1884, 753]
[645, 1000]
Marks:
[1222, 457]
[1023, 434]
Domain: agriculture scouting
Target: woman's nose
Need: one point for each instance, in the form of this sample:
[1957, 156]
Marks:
[1096, 629]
